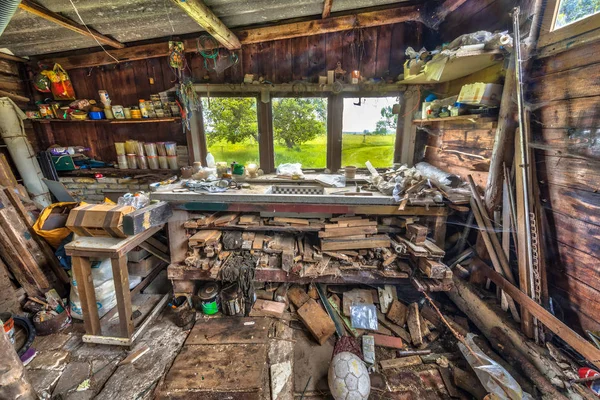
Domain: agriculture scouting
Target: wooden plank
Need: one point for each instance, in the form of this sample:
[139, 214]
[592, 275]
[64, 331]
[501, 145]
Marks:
[147, 217]
[87, 296]
[178, 240]
[326, 8]
[356, 297]
[266, 308]
[401, 362]
[317, 321]
[343, 232]
[121, 279]
[42, 12]
[205, 237]
[295, 221]
[368, 243]
[156, 252]
[413, 320]
[204, 17]
[579, 344]
[397, 313]
[566, 60]
[564, 85]
[235, 330]
[398, 331]
[297, 296]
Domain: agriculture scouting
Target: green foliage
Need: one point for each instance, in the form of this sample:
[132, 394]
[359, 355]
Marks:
[387, 122]
[298, 120]
[230, 119]
[572, 10]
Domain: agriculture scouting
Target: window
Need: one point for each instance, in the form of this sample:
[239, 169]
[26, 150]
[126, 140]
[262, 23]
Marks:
[566, 19]
[231, 127]
[570, 11]
[300, 131]
[368, 131]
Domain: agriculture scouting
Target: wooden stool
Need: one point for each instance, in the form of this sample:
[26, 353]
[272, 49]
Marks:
[123, 334]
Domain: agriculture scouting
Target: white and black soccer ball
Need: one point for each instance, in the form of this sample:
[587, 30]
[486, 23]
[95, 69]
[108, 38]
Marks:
[348, 377]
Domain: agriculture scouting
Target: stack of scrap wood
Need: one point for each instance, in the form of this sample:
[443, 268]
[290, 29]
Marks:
[26, 257]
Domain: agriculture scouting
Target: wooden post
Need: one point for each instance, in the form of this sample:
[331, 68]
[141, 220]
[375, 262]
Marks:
[406, 131]
[14, 383]
[335, 112]
[178, 241]
[121, 279]
[265, 138]
[87, 295]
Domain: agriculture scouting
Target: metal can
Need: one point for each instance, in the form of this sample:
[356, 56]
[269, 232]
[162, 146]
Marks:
[118, 112]
[143, 109]
[104, 98]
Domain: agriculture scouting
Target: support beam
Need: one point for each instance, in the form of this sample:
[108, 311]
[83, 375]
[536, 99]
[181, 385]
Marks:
[434, 19]
[41, 11]
[327, 8]
[10, 57]
[204, 17]
[248, 36]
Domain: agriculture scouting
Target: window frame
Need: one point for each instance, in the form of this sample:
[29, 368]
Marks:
[549, 35]
[197, 142]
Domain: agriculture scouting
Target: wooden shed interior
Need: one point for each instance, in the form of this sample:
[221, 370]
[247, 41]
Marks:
[338, 199]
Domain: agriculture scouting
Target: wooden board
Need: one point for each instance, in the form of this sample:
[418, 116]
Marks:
[317, 321]
[343, 232]
[230, 330]
[369, 243]
[266, 308]
[219, 368]
[204, 237]
[356, 297]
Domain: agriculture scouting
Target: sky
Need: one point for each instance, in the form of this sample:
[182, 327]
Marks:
[357, 119]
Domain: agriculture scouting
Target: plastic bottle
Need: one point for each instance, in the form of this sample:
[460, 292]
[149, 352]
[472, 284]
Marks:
[210, 161]
[143, 109]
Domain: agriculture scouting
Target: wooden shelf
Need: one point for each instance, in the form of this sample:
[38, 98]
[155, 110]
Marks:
[461, 64]
[473, 118]
[109, 121]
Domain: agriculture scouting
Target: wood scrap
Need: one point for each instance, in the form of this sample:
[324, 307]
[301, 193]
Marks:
[266, 308]
[249, 220]
[225, 219]
[390, 342]
[204, 237]
[413, 320]
[416, 233]
[401, 362]
[317, 321]
[434, 269]
[355, 297]
[297, 296]
[343, 232]
[367, 243]
[397, 313]
[397, 330]
[293, 221]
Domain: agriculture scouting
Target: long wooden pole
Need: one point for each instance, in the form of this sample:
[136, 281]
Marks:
[42, 12]
[204, 17]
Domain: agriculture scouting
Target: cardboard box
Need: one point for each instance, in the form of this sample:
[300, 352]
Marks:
[485, 94]
[101, 220]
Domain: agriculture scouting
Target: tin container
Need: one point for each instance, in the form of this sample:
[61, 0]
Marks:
[209, 298]
[104, 98]
[118, 112]
[108, 112]
[127, 112]
[135, 113]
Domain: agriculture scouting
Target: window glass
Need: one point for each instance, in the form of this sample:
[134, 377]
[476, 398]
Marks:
[231, 127]
[300, 131]
[570, 11]
[368, 131]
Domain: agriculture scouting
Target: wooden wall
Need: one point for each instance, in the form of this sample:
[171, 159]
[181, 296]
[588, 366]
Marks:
[282, 61]
[565, 90]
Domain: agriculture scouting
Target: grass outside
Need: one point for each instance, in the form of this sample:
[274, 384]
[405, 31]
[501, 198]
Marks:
[377, 149]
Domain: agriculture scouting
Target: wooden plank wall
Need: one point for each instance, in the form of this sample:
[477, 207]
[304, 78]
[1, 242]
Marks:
[565, 91]
[282, 61]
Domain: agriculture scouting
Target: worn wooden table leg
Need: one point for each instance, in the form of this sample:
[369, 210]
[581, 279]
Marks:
[121, 278]
[439, 233]
[87, 295]
[178, 241]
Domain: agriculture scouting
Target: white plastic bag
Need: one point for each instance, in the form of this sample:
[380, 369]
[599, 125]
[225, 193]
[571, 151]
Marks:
[104, 287]
[290, 169]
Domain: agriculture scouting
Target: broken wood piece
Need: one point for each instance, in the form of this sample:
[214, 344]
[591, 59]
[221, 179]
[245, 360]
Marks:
[294, 221]
[204, 237]
[249, 220]
[390, 342]
[266, 308]
[387, 295]
[367, 243]
[401, 362]
[416, 233]
[413, 321]
[297, 296]
[317, 321]
[433, 249]
[335, 303]
[225, 219]
[338, 256]
[398, 331]
[133, 356]
[389, 260]
[257, 244]
[434, 269]
[356, 297]
[397, 313]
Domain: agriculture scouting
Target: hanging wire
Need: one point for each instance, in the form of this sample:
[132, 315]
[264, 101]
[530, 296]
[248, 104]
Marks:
[88, 29]
[208, 48]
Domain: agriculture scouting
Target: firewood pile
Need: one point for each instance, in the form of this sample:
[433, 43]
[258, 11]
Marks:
[385, 247]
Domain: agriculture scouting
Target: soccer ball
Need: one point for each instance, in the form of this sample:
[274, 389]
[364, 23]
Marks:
[348, 377]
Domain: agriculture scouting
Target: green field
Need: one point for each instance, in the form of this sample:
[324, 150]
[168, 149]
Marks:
[377, 149]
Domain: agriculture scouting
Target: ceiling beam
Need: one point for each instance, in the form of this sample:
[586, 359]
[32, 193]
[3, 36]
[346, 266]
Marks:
[327, 8]
[434, 18]
[10, 57]
[204, 17]
[41, 11]
[254, 35]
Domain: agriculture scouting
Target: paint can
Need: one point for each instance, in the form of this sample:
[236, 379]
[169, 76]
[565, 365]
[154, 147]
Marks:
[209, 298]
[9, 326]
[185, 316]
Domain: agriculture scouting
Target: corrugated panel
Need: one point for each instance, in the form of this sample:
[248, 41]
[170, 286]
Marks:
[135, 20]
